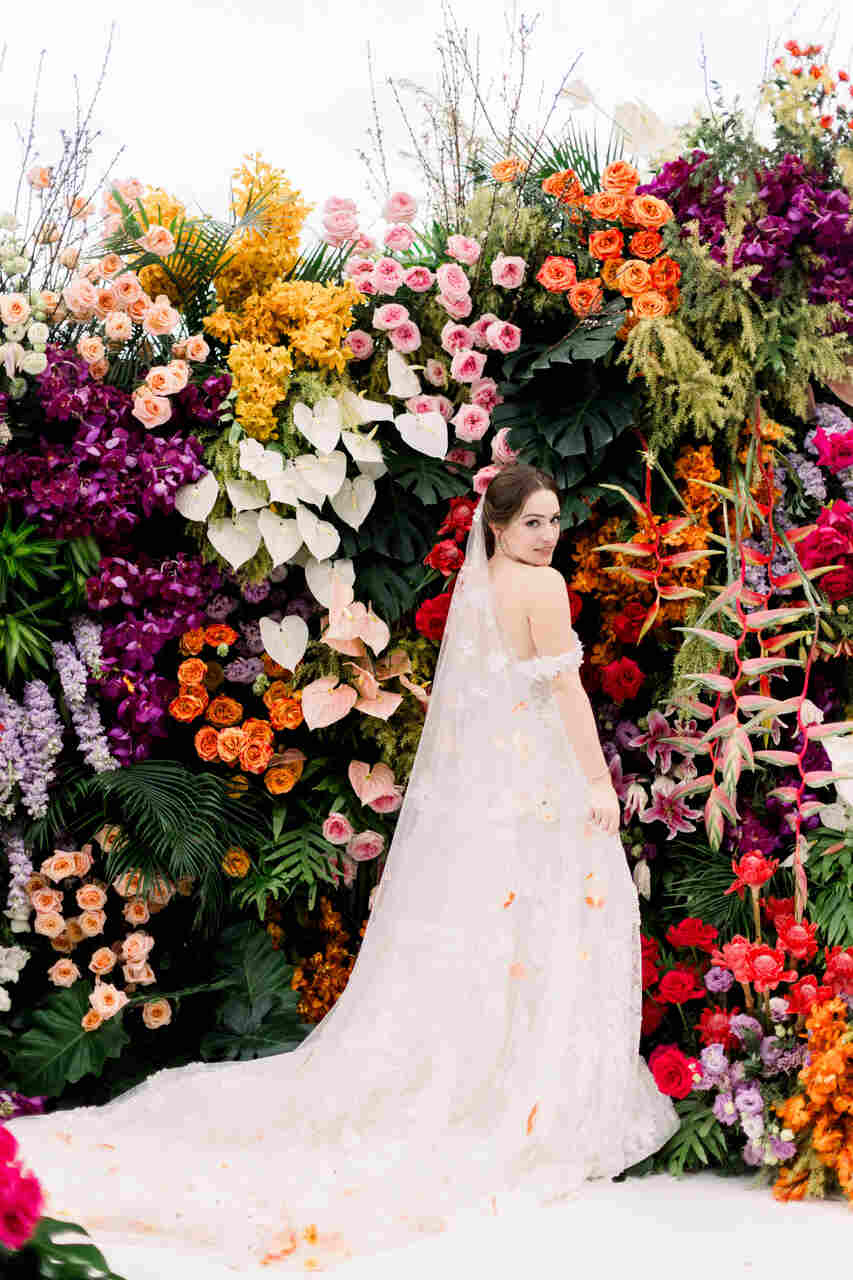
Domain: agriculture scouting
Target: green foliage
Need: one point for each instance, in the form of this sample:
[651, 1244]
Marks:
[55, 1050]
[830, 872]
[694, 883]
[700, 1141]
[288, 861]
[46, 1256]
[258, 1015]
[392, 589]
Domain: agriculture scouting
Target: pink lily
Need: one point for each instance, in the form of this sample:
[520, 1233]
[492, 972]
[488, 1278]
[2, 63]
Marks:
[673, 812]
[656, 750]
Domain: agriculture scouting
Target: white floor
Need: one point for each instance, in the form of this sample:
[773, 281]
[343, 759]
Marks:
[655, 1227]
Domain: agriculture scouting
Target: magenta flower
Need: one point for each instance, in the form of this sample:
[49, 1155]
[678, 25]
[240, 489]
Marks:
[627, 787]
[656, 749]
[669, 809]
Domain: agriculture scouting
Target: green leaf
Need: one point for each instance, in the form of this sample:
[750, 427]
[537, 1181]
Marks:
[717, 639]
[722, 684]
[55, 1050]
[778, 757]
[58, 1260]
[761, 618]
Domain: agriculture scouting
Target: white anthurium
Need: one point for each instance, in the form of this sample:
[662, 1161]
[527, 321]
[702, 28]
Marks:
[323, 575]
[357, 410]
[642, 878]
[285, 641]
[236, 539]
[246, 495]
[840, 752]
[282, 538]
[373, 469]
[578, 94]
[353, 500]
[426, 432]
[402, 381]
[363, 448]
[324, 472]
[196, 501]
[259, 462]
[292, 486]
[321, 426]
[321, 538]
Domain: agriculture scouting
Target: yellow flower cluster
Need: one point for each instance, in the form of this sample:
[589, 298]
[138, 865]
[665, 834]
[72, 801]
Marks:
[269, 248]
[322, 977]
[313, 319]
[261, 378]
[163, 209]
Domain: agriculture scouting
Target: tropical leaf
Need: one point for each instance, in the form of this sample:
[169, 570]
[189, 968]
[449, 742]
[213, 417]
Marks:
[55, 1050]
[297, 859]
[47, 1255]
[717, 639]
[429, 479]
[699, 1143]
[392, 588]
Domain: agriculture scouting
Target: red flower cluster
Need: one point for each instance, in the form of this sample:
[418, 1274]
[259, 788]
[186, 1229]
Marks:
[714, 1027]
[692, 932]
[627, 624]
[622, 679]
[675, 1074]
[755, 962]
[446, 556]
[431, 617]
[752, 871]
[679, 985]
[457, 522]
[20, 1196]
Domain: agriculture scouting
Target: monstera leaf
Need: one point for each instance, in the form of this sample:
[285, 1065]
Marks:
[47, 1256]
[56, 1051]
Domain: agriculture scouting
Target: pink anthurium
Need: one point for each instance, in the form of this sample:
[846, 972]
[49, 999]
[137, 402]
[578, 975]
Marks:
[325, 700]
[368, 782]
[383, 705]
[364, 680]
[395, 663]
[418, 690]
[374, 632]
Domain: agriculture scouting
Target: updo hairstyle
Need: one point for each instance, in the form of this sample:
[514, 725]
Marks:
[507, 493]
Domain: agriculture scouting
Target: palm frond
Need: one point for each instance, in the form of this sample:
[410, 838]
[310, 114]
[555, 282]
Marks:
[320, 265]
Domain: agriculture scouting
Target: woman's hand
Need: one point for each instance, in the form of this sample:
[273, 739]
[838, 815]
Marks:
[604, 813]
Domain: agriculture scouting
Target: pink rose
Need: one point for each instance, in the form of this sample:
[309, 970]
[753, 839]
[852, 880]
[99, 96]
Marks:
[462, 457]
[157, 240]
[471, 422]
[444, 407]
[508, 272]
[79, 296]
[459, 308]
[366, 845]
[398, 239]
[467, 365]
[503, 336]
[195, 348]
[455, 337]
[484, 477]
[339, 227]
[399, 207]
[436, 373]
[150, 410]
[389, 315]
[452, 281]
[365, 243]
[337, 829]
[359, 343]
[463, 249]
[357, 266]
[501, 452]
[479, 328]
[339, 204]
[161, 381]
[418, 279]
[127, 288]
[387, 276]
[406, 337]
[110, 265]
[117, 326]
[107, 1000]
[90, 348]
[422, 404]
[484, 392]
[161, 317]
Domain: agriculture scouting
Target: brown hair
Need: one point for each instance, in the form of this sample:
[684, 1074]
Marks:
[507, 493]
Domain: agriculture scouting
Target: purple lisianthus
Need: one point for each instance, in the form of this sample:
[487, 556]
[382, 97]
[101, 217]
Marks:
[719, 980]
[748, 1099]
[724, 1109]
[714, 1061]
[244, 670]
[782, 1150]
[743, 1023]
[771, 1050]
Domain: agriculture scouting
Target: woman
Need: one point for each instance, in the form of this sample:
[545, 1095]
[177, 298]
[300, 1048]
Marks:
[486, 1047]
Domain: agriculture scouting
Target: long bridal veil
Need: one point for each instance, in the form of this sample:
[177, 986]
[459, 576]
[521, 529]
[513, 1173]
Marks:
[485, 1048]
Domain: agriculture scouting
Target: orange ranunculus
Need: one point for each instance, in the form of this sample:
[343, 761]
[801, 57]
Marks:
[258, 730]
[646, 244]
[186, 707]
[236, 863]
[276, 692]
[274, 669]
[610, 270]
[196, 691]
[630, 323]
[650, 212]
[206, 743]
[557, 274]
[224, 711]
[192, 642]
[585, 297]
[650, 305]
[286, 714]
[219, 633]
[666, 273]
[620, 178]
[634, 278]
[192, 671]
[255, 756]
[229, 744]
[506, 170]
[605, 204]
[606, 244]
[565, 185]
[282, 777]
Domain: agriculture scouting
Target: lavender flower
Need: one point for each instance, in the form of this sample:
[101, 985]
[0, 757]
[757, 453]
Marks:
[41, 743]
[714, 1060]
[748, 1100]
[724, 1109]
[771, 1050]
[87, 639]
[10, 752]
[244, 670]
[782, 1150]
[84, 714]
[18, 907]
[752, 1124]
[255, 592]
[742, 1024]
[219, 608]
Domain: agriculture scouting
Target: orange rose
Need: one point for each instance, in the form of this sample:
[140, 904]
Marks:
[236, 863]
[634, 278]
[606, 244]
[604, 204]
[192, 671]
[286, 714]
[585, 297]
[650, 212]
[273, 669]
[229, 744]
[192, 642]
[630, 323]
[646, 244]
[650, 305]
[277, 691]
[565, 185]
[206, 743]
[666, 273]
[620, 178]
[255, 756]
[258, 731]
[610, 270]
[224, 711]
[282, 778]
[186, 707]
[506, 170]
[219, 633]
[557, 274]
[197, 691]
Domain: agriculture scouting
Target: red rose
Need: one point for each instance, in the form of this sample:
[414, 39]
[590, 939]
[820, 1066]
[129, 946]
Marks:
[653, 1016]
[671, 1070]
[431, 618]
[714, 1027]
[691, 932]
[679, 985]
[457, 522]
[627, 624]
[575, 603]
[651, 973]
[622, 679]
[446, 556]
[838, 584]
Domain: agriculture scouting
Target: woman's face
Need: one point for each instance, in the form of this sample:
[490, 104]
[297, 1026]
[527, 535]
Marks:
[532, 534]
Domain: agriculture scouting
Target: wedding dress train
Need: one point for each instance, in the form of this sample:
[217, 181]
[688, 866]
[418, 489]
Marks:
[484, 1051]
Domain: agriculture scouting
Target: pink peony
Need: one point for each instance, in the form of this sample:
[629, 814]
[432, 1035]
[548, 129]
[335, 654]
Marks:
[463, 249]
[452, 281]
[480, 328]
[455, 337]
[467, 365]
[364, 243]
[339, 204]
[418, 279]
[459, 308]
[422, 404]
[483, 478]
[389, 315]
[508, 272]
[357, 265]
[484, 392]
[398, 239]
[435, 373]
[157, 240]
[399, 207]
[387, 276]
[406, 337]
[340, 227]
[503, 336]
[501, 452]
[359, 343]
[337, 829]
[366, 845]
[462, 457]
[471, 422]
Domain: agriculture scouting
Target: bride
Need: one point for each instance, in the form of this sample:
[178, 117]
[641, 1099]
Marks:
[486, 1048]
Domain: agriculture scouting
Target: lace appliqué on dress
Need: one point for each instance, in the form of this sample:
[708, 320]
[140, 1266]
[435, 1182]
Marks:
[549, 665]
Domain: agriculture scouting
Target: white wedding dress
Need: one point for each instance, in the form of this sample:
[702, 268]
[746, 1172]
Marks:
[484, 1052]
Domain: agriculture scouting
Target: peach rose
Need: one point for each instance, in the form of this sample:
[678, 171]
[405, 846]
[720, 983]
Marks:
[49, 924]
[91, 1020]
[184, 886]
[161, 381]
[157, 240]
[48, 301]
[128, 884]
[156, 1013]
[180, 371]
[136, 911]
[206, 743]
[58, 866]
[110, 265]
[255, 756]
[63, 973]
[46, 900]
[633, 278]
[138, 309]
[151, 410]
[195, 348]
[117, 326]
[83, 860]
[646, 244]
[606, 244]
[103, 961]
[507, 170]
[621, 178]
[162, 891]
[585, 297]
[107, 837]
[161, 317]
[91, 897]
[650, 305]
[136, 947]
[14, 308]
[605, 205]
[39, 177]
[105, 301]
[62, 943]
[127, 289]
[649, 211]
[92, 922]
[229, 744]
[107, 1000]
[99, 368]
[141, 973]
[36, 881]
[74, 932]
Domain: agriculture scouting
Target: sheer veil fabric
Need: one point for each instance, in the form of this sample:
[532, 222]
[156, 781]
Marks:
[485, 1050]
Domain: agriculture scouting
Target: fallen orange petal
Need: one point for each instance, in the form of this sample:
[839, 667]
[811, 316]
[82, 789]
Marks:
[595, 902]
[517, 970]
[510, 900]
[519, 706]
[531, 1117]
[310, 1233]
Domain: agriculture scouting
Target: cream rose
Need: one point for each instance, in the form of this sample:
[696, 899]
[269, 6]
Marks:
[136, 946]
[156, 1013]
[63, 973]
[107, 1000]
[58, 866]
[103, 960]
[118, 326]
[49, 924]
